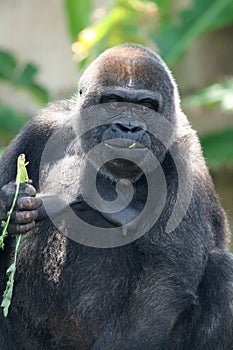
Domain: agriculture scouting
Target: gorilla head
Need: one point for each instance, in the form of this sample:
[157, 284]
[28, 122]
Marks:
[130, 88]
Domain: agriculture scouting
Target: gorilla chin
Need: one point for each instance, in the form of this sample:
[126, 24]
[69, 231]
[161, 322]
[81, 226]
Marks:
[129, 162]
[118, 169]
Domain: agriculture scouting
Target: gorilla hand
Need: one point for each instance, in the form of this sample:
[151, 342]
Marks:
[26, 210]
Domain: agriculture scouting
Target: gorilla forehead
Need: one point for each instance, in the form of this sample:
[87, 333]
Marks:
[128, 66]
[130, 71]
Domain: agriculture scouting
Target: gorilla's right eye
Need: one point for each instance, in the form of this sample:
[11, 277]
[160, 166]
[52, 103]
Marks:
[111, 98]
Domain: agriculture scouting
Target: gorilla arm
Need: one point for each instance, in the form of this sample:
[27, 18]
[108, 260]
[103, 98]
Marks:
[31, 141]
[160, 315]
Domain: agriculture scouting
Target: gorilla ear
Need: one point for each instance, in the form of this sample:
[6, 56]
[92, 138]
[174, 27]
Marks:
[80, 88]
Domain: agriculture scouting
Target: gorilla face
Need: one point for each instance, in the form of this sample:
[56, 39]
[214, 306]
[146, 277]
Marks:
[130, 86]
[128, 139]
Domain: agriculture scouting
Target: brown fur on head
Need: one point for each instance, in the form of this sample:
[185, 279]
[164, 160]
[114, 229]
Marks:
[133, 67]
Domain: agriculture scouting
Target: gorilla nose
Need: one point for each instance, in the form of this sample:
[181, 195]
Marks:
[128, 128]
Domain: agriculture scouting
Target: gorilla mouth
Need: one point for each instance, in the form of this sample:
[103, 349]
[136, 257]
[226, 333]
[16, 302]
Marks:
[129, 157]
[126, 144]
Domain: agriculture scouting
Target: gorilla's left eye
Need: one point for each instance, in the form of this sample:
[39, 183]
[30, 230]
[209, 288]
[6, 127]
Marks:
[150, 103]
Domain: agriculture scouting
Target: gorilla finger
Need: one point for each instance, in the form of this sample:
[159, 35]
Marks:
[24, 217]
[7, 193]
[24, 189]
[29, 203]
[21, 228]
[27, 190]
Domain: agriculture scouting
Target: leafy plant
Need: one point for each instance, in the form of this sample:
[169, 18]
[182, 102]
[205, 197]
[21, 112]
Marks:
[11, 121]
[174, 38]
[78, 15]
[219, 94]
[121, 21]
[22, 77]
[218, 148]
[153, 23]
[21, 177]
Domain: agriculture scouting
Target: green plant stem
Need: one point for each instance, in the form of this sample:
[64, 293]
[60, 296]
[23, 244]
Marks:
[21, 177]
[6, 224]
[7, 296]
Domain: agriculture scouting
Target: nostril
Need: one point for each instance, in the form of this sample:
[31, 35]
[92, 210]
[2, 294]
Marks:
[123, 127]
[126, 127]
[134, 128]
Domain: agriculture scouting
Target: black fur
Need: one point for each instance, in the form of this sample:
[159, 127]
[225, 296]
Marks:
[171, 291]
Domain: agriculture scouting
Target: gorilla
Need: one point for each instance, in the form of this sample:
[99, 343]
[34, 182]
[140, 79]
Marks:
[124, 243]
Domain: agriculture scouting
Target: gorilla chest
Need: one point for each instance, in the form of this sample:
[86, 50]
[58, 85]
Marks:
[80, 290]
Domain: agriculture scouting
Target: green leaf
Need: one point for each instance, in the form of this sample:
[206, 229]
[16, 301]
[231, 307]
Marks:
[219, 94]
[10, 269]
[174, 39]
[26, 80]
[7, 65]
[133, 145]
[22, 78]
[27, 75]
[39, 94]
[164, 9]
[11, 121]
[218, 147]
[78, 15]
[3, 223]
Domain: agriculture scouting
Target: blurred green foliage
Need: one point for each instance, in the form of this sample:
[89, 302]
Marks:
[11, 121]
[218, 148]
[20, 78]
[174, 38]
[157, 23]
[78, 15]
[219, 94]
[115, 22]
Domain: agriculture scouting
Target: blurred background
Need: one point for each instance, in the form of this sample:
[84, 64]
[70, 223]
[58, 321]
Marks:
[45, 45]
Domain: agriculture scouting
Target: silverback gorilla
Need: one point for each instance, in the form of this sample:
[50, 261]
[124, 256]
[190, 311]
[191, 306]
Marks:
[146, 287]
